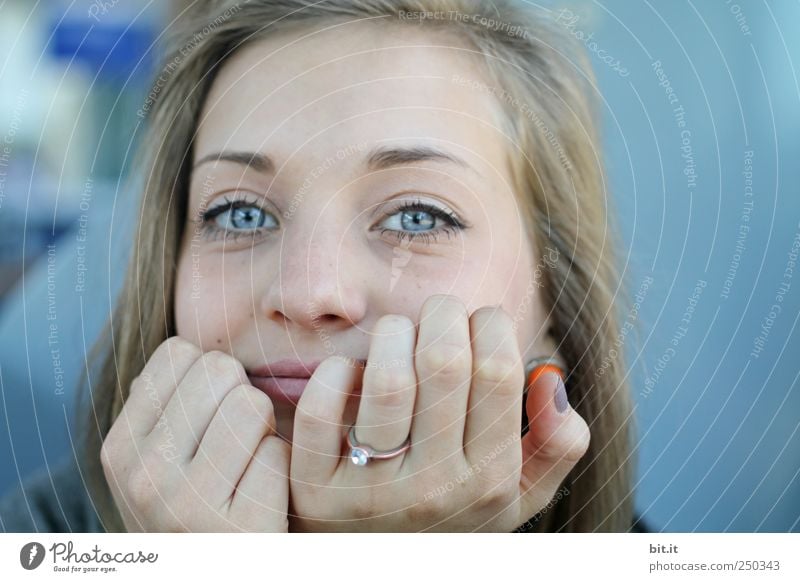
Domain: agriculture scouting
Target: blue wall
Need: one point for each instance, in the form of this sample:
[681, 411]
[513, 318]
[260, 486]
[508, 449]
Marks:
[713, 367]
[718, 398]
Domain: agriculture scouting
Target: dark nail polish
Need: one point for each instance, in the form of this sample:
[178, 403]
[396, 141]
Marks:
[560, 397]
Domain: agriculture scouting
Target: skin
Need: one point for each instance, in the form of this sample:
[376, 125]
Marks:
[435, 320]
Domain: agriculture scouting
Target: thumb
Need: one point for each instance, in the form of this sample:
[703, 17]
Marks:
[556, 440]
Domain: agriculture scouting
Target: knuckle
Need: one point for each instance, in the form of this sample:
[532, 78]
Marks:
[432, 507]
[223, 367]
[141, 490]
[392, 389]
[496, 494]
[501, 370]
[249, 404]
[312, 422]
[366, 507]
[178, 345]
[175, 349]
[579, 446]
[445, 361]
[568, 450]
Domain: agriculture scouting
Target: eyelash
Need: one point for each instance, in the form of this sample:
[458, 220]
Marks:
[212, 232]
[453, 222]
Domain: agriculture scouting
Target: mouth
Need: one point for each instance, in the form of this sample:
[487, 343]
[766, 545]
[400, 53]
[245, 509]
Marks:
[285, 381]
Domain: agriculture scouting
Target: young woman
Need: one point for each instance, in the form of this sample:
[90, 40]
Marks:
[365, 223]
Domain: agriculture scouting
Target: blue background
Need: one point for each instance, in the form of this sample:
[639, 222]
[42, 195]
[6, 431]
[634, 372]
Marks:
[718, 444]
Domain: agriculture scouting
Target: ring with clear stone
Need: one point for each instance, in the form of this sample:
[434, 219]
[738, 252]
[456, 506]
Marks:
[360, 454]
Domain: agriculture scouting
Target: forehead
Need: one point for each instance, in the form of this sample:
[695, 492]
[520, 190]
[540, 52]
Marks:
[305, 93]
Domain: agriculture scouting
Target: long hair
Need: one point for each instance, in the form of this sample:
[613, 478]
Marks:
[548, 102]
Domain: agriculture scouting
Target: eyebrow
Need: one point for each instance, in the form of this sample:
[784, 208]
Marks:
[258, 162]
[382, 158]
[379, 158]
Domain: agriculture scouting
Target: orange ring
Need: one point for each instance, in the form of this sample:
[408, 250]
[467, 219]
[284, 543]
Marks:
[541, 369]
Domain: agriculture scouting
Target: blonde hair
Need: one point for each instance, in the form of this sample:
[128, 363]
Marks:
[558, 176]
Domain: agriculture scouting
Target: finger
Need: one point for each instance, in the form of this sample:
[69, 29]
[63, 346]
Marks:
[498, 378]
[261, 500]
[235, 432]
[195, 402]
[387, 400]
[557, 439]
[154, 386]
[317, 435]
[443, 362]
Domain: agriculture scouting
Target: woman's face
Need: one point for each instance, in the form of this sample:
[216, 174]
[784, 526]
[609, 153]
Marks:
[306, 152]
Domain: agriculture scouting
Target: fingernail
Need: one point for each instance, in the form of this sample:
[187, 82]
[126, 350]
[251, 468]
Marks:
[560, 397]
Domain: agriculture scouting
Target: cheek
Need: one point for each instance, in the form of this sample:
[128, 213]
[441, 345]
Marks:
[209, 303]
[483, 278]
[506, 277]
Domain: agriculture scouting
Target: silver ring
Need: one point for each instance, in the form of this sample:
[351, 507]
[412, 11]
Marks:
[360, 454]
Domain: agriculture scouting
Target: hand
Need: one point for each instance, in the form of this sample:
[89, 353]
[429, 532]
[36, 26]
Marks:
[456, 388]
[194, 448]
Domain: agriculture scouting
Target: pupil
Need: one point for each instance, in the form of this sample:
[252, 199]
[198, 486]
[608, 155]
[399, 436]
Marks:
[418, 218]
[246, 217]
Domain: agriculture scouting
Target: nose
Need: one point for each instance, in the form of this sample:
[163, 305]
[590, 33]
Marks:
[319, 281]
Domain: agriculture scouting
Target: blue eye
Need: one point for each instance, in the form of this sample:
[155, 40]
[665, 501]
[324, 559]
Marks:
[416, 221]
[236, 217]
[242, 217]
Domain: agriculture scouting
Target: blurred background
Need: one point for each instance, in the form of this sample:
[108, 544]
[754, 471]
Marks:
[701, 118]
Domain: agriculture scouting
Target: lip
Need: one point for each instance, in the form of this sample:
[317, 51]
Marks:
[280, 389]
[285, 380]
[286, 369]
